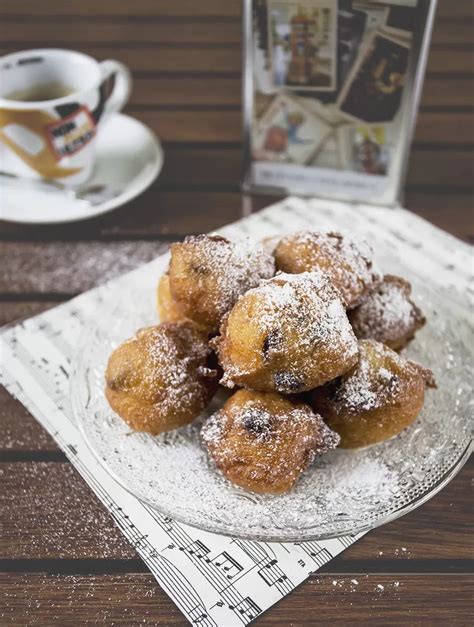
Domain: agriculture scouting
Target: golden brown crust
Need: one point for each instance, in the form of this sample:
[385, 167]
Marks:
[168, 310]
[288, 335]
[376, 400]
[348, 263]
[263, 442]
[208, 273]
[159, 379]
[387, 314]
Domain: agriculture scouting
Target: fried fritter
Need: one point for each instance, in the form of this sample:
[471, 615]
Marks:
[377, 399]
[288, 335]
[159, 379]
[387, 314]
[263, 442]
[167, 309]
[208, 273]
[348, 263]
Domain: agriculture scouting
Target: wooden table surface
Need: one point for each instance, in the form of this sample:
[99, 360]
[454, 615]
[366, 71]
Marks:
[62, 559]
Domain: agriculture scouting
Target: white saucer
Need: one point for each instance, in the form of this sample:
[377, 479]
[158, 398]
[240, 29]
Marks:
[129, 158]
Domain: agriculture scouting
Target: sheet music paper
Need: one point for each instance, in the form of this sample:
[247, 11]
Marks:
[214, 580]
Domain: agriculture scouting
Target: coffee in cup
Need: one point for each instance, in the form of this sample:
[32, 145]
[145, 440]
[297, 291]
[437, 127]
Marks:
[52, 103]
[45, 91]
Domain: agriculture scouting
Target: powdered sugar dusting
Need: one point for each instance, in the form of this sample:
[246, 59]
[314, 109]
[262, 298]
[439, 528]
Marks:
[245, 263]
[257, 419]
[303, 320]
[221, 270]
[368, 386]
[347, 260]
[164, 364]
[387, 314]
[266, 439]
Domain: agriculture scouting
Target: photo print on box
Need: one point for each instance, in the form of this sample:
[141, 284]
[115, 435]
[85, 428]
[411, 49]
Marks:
[302, 39]
[329, 80]
[376, 14]
[374, 89]
[288, 132]
[329, 154]
[261, 59]
[365, 149]
[401, 22]
[352, 25]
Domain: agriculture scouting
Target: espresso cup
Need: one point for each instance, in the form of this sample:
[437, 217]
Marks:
[52, 103]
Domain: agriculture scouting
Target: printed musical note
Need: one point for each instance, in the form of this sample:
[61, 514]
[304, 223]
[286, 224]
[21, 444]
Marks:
[196, 548]
[271, 575]
[318, 554]
[246, 608]
[228, 564]
[197, 616]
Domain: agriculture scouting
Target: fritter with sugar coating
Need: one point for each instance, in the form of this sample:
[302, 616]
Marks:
[208, 273]
[159, 379]
[387, 314]
[376, 400]
[167, 308]
[263, 442]
[288, 335]
[347, 262]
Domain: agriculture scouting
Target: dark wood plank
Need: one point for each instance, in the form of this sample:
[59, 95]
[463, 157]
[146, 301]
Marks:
[444, 128]
[458, 9]
[144, 8]
[451, 92]
[113, 28]
[162, 8]
[118, 31]
[452, 31]
[135, 599]
[69, 267]
[451, 212]
[208, 126]
[450, 62]
[163, 91]
[438, 168]
[48, 512]
[19, 431]
[203, 166]
[376, 600]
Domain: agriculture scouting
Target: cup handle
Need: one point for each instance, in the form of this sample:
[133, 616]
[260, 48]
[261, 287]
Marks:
[122, 87]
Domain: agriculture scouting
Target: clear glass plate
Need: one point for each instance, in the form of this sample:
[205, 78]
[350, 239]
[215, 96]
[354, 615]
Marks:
[344, 492]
